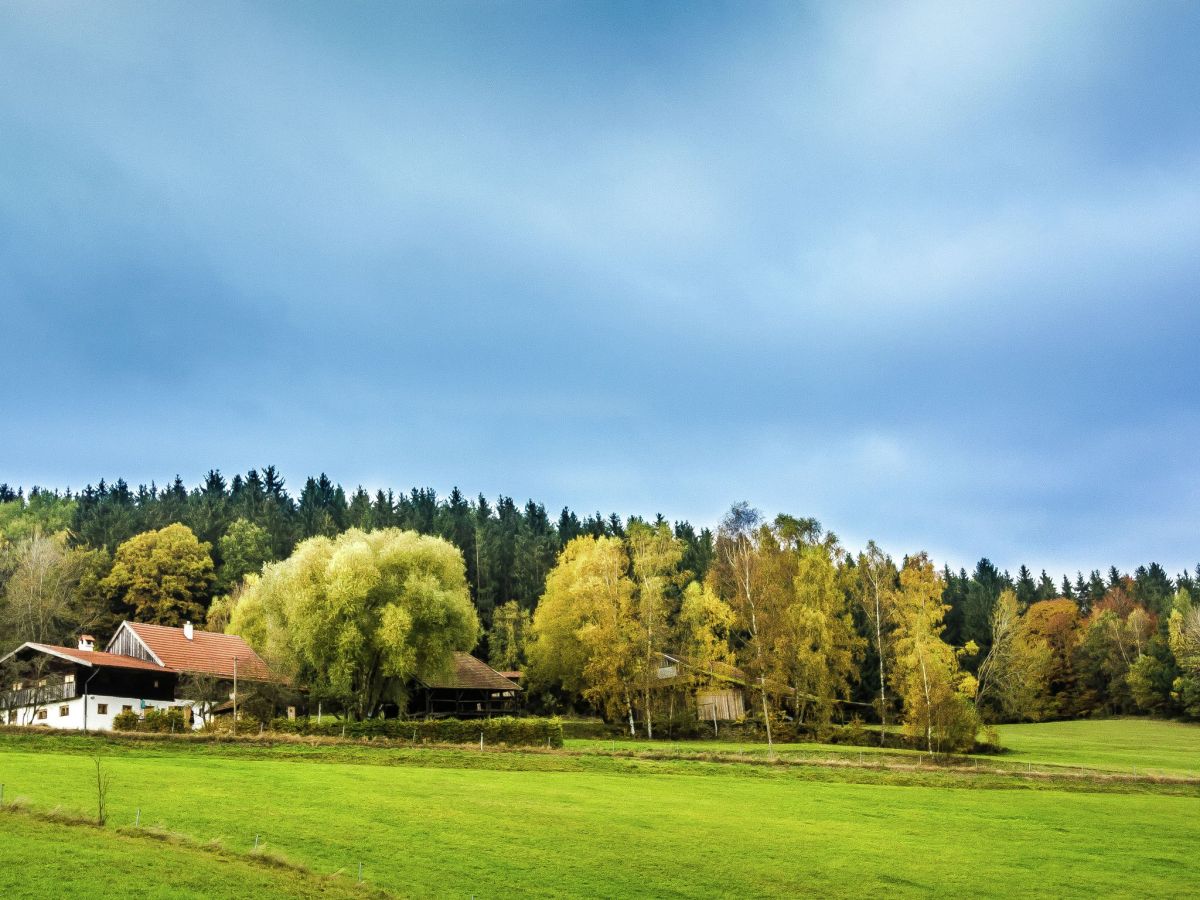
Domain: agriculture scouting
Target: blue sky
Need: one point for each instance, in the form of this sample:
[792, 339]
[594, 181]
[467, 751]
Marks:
[928, 272]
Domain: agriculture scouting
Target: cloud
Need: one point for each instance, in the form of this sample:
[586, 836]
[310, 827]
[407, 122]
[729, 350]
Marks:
[926, 270]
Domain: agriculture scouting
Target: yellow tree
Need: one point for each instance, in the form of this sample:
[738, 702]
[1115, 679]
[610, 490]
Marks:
[655, 554]
[876, 592]
[926, 675]
[585, 635]
[817, 645]
[162, 577]
[704, 625]
[1013, 676]
[746, 574]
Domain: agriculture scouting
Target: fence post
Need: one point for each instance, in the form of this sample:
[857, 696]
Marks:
[481, 740]
[360, 871]
[1, 793]
[256, 842]
[137, 820]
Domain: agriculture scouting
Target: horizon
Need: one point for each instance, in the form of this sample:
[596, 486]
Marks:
[293, 487]
[925, 272]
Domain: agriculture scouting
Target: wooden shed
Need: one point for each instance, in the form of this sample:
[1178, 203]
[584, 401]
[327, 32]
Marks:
[471, 689]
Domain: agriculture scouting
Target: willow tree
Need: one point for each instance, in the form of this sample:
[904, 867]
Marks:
[356, 617]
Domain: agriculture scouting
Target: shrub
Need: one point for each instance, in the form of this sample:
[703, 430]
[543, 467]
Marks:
[525, 732]
[126, 721]
[162, 721]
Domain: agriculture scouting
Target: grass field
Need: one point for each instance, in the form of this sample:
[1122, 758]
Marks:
[586, 823]
[1119, 745]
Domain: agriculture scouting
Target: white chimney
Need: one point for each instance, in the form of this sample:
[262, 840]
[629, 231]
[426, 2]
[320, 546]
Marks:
[87, 642]
[188, 631]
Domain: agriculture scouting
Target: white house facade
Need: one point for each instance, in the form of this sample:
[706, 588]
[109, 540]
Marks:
[81, 688]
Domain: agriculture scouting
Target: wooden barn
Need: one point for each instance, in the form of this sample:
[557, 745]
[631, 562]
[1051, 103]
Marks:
[720, 689]
[471, 689]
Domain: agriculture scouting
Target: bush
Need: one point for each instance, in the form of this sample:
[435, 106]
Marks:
[528, 732]
[126, 721]
[161, 721]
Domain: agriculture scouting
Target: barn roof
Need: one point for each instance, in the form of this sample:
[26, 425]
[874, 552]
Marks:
[469, 673]
[207, 653]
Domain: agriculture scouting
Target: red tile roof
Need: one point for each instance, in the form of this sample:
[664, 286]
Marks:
[97, 657]
[207, 652]
[471, 674]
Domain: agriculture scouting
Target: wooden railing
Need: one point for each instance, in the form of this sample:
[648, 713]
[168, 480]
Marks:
[38, 695]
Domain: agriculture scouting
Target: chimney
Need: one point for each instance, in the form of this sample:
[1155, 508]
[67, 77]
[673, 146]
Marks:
[188, 631]
[87, 642]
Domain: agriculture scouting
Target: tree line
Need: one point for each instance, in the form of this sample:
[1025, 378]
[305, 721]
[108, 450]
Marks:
[592, 606]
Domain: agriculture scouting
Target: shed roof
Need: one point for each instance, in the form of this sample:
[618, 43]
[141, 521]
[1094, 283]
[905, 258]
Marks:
[207, 653]
[470, 673]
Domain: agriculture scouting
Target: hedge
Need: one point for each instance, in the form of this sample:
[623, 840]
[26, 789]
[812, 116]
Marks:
[162, 721]
[525, 732]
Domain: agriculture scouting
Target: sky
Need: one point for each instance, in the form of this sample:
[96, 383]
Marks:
[929, 272]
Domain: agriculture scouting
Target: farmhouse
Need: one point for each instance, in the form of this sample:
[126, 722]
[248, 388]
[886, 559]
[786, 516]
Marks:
[84, 688]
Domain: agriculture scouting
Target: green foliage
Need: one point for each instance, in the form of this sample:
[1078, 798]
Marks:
[506, 730]
[356, 617]
[245, 548]
[126, 720]
[171, 720]
[161, 577]
[508, 636]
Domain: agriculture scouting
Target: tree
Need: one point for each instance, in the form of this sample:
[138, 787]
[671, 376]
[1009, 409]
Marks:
[704, 626]
[936, 694]
[206, 692]
[585, 636]
[245, 548]
[41, 600]
[876, 592]
[818, 646]
[735, 576]
[356, 617]
[654, 554]
[1183, 629]
[1013, 674]
[1057, 624]
[161, 577]
[508, 636]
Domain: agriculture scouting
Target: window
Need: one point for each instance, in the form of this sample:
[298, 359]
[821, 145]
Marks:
[41, 713]
[102, 709]
[127, 708]
[69, 678]
[64, 711]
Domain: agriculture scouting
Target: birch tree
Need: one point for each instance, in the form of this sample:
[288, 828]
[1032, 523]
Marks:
[654, 554]
[936, 694]
[876, 591]
[736, 576]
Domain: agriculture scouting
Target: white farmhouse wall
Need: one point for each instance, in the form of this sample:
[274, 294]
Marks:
[96, 721]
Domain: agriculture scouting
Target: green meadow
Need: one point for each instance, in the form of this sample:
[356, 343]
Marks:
[663, 820]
